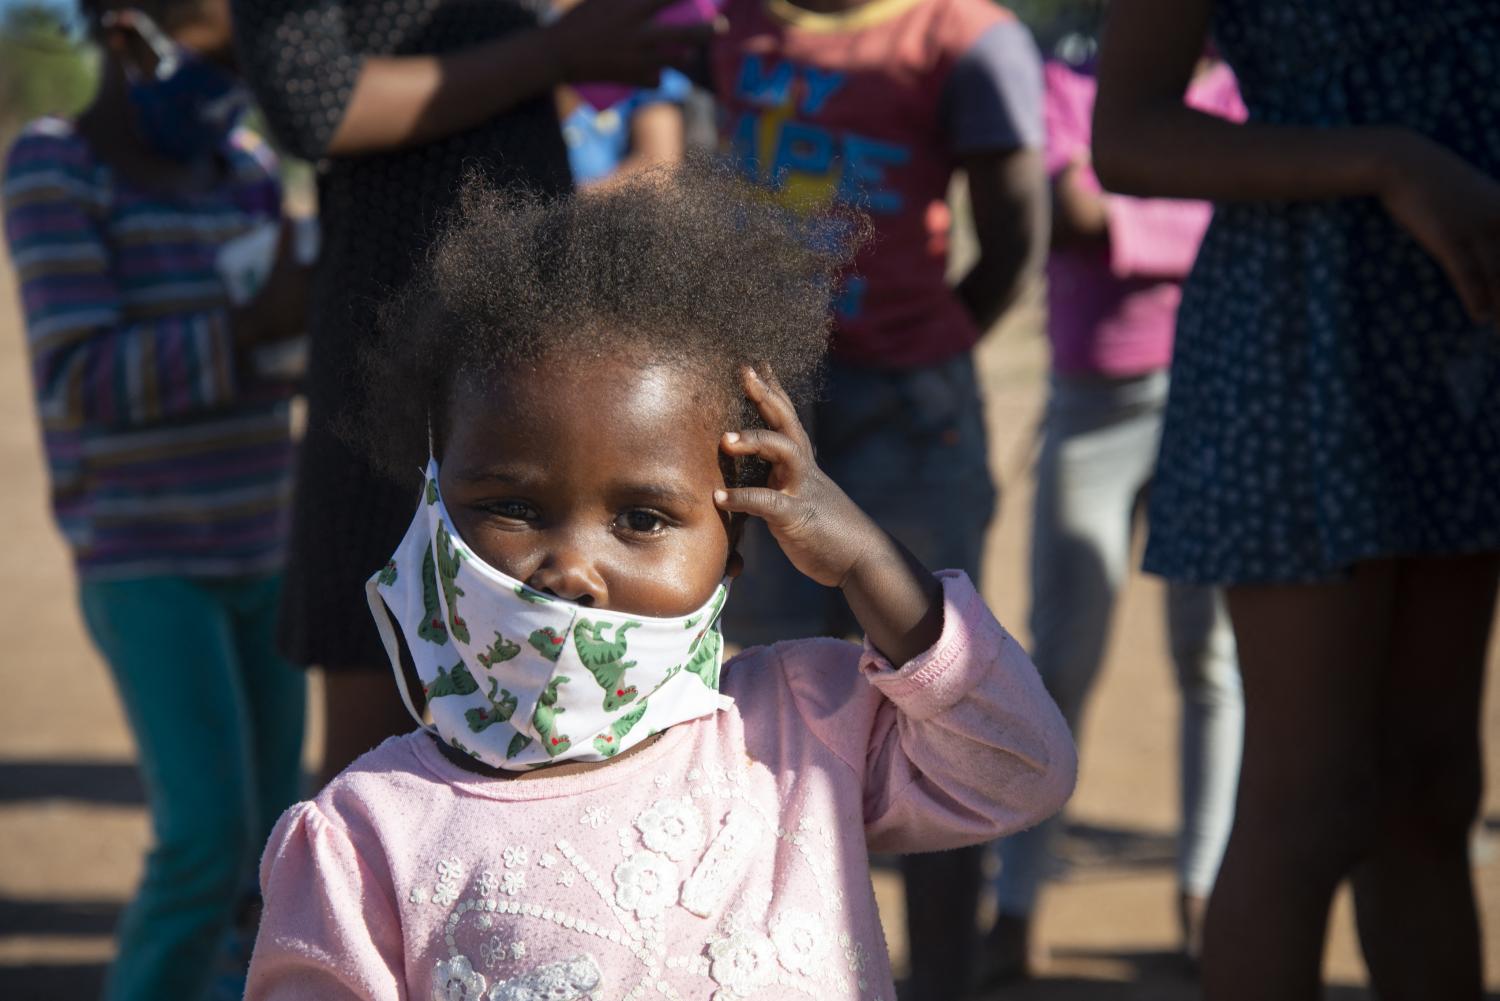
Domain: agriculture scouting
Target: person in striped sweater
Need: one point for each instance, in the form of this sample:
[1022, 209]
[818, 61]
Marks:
[170, 457]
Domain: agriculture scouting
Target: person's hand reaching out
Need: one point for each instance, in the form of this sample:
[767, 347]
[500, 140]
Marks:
[1453, 211]
[617, 40]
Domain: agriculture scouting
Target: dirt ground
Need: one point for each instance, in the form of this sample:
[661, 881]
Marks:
[73, 829]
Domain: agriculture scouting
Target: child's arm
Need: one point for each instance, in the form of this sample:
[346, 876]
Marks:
[330, 929]
[88, 363]
[966, 744]
[960, 746]
[992, 117]
[325, 99]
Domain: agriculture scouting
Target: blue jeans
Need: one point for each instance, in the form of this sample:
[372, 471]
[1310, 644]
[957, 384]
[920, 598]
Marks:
[909, 447]
[1098, 454]
[217, 717]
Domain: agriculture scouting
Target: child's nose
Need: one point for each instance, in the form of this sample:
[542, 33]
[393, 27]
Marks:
[570, 578]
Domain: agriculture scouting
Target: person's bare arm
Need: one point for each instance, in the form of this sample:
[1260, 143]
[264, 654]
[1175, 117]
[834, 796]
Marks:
[1148, 142]
[657, 137]
[1011, 205]
[1080, 214]
[409, 100]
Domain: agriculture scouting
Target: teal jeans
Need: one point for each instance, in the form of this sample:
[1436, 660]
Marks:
[217, 717]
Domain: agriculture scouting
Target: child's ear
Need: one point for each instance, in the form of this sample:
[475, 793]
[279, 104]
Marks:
[735, 564]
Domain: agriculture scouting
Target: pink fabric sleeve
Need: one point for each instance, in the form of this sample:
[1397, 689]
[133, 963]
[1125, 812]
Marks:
[1154, 237]
[959, 746]
[330, 930]
[1066, 108]
[1159, 237]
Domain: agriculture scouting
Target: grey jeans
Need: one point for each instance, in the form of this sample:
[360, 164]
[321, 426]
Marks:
[1099, 446]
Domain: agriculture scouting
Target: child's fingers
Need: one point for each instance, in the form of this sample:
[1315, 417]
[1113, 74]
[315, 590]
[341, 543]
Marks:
[773, 403]
[762, 502]
[773, 446]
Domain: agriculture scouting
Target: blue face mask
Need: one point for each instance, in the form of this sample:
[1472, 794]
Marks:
[188, 107]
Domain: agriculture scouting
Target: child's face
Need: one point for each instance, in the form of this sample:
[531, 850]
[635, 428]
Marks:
[592, 481]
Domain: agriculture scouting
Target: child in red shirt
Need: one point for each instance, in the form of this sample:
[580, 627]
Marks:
[874, 104]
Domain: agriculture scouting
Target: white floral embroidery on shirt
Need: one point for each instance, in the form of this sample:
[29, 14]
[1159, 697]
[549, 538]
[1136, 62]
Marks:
[568, 980]
[595, 817]
[854, 953]
[514, 856]
[673, 827]
[565, 878]
[456, 980]
[450, 869]
[742, 964]
[801, 941]
[417, 895]
[661, 781]
[645, 883]
[492, 953]
[488, 883]
[546, 860]
[445, 894]
[513, 883]
[518, 950]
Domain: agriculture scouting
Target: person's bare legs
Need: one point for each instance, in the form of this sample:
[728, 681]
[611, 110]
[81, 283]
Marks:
[1306, 808]
[360, 709]
[1414, 893]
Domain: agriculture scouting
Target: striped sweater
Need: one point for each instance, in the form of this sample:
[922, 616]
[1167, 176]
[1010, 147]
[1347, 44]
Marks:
[165, 458]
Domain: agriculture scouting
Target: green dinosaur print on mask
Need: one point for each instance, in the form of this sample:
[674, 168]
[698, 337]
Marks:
[548, 642]
[455, 681]
[534, 597]
[518, 743]
[705, 659]
[499, 652]
[502, 708]
[608, 743]
[544, 719]
[605, 660]
[711, 615]
[432, 629]
[448, 560]
[387, 575]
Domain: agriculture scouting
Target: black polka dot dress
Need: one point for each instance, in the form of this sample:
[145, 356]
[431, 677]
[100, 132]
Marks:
[379, 214]
[1331, 401]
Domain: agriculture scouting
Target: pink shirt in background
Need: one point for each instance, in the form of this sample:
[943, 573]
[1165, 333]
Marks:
[1112, 310]
[730, 859]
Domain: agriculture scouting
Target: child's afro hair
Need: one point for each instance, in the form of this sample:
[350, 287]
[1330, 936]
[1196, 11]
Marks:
[683, 265]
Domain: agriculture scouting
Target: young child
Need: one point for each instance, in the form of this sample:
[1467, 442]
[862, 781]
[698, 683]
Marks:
[608, 385]
[170, 457]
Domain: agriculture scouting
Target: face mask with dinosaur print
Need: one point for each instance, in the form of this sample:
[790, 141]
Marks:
[519, 679]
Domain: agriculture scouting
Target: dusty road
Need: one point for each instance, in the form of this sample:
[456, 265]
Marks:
[72, 828]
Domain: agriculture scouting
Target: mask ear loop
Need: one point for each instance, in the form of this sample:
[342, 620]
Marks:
[166, 50]
[382, 616]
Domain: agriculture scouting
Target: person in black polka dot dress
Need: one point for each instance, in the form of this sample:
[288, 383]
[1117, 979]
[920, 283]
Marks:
[1331, 452]
[398, 100]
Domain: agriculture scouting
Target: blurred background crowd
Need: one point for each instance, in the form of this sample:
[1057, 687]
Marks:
[1002, 369]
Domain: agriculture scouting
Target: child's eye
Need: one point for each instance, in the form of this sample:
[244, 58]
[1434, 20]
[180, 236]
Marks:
[641, 522]
[512, 510]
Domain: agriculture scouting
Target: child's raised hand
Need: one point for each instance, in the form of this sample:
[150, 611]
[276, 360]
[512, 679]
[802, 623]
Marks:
[825, 534]
[820, 529]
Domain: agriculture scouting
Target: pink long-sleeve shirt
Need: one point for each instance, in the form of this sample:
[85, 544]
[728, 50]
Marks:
[1112, 310]
[727, 860]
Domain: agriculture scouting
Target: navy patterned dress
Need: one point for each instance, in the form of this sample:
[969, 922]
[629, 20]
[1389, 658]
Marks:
[1331, 401]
